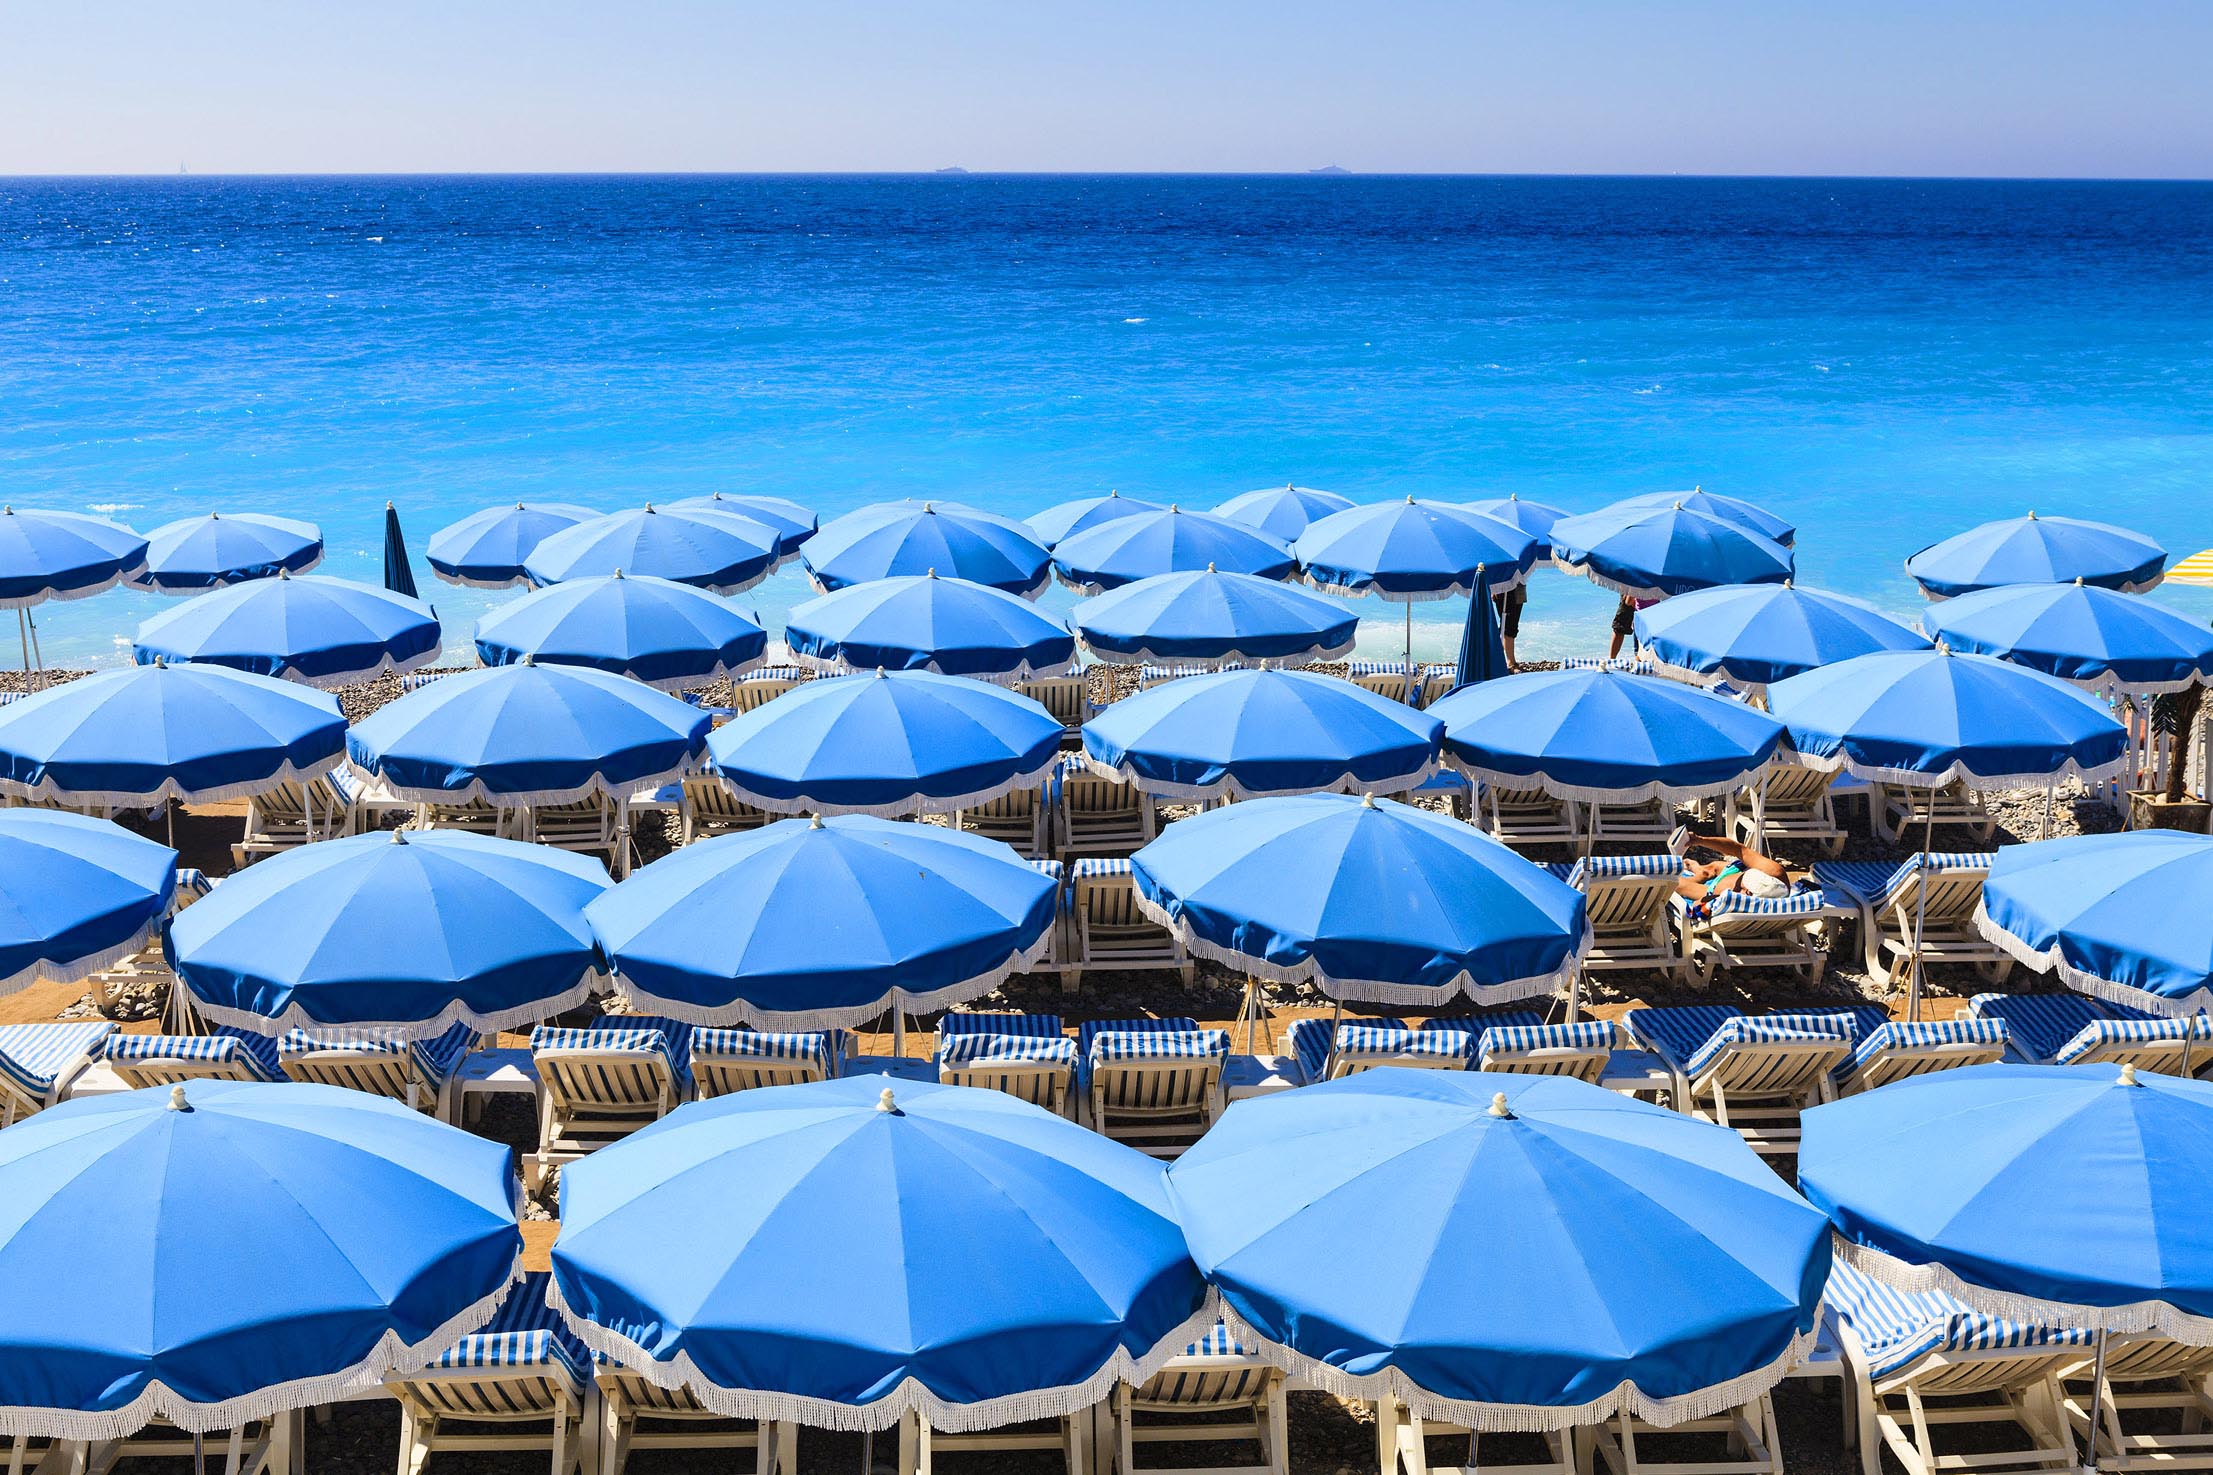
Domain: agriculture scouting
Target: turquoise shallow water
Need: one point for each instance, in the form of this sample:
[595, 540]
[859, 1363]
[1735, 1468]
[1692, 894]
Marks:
[1882, 361]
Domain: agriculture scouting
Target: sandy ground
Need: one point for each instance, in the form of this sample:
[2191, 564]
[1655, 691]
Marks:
[1326, 1435]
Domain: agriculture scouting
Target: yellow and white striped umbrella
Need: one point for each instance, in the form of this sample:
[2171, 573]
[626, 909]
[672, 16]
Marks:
[2196, 569]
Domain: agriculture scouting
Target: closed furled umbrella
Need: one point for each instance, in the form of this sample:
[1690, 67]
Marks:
[322, 631]
[399, 576]
[891, 539]
[486, 549]
[208, 552]
[2038, 550]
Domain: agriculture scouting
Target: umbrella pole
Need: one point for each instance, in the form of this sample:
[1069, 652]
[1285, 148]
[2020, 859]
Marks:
[23, 634]
[1920, 903]
[1336, 1017]
[199, 1454]
[2044, 831]
[2097, 1405]
[1410, 652]
[38, 657]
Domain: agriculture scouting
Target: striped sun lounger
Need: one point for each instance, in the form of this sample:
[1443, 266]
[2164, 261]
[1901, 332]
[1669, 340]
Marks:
[1739, 930]
[1922, 1361]
[1752, 1074]
[2070, 1029]
[1581, 1049]
[223, 1054]
[1193, 1398]
[1040, 1069]
[525, 1367]
[1155, 1084]
[1628, 900]
[419, 1072]
[39, 1061]
[1889, 1050]
[1887, 894]
[600, 1083]
[1109, 930]
[726, 1060]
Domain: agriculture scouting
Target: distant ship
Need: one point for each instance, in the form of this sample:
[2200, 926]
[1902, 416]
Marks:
[950, 169]
[1329, 169]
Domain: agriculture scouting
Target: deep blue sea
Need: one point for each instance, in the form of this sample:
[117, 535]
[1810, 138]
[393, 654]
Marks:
[1883, 361]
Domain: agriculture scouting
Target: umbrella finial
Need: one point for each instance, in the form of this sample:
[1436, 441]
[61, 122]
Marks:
[1367, 800]
[387, 504]
[814, 821]
[883, 673]
[929, 508]
[1678, 504]
[399, 836]
[1409, 499]
[649, 506]
[933, 570]
[1174, 507]
[284, 573]
[176, 1098]
[1499, 1108]
[530, 658]
[2078, 581]
[886, 1103]
[2128, 1075]
[1210, 565]
[618, 573]
[1790, 583]
[2032, 514]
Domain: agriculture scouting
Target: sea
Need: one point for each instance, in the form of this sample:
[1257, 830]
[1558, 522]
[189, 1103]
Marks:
[1881, 361]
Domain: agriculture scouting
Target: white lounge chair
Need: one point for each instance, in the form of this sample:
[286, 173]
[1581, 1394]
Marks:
[600, 1083]
[295, 814]
[727, 1060]
[1094, 815]
[2069, 1029]
[1214, 1391]
[1387, 679]
[38, 1063]
[1025, 1055]
[502, 821]
[765, 684]
[2145, 1375]
[523, 1383]
[1628, 901]
[587, 826]
[706, 806]
[1796, 803]
[1736, 929]
[1886, 1050]
[1918, 1363]
[1583, 1048]
[1152, 674]
[1069, 1437]
[1020, 819]
[1646, 823]
[1888, 893]
[420, 1073]
[1066, 697]
[1110, 932]
[1527, 816]
[1895, 812]
[1753, 1075]
[1155, 1084]
[223, 1054]
[1327, 1049]
[637, 1413]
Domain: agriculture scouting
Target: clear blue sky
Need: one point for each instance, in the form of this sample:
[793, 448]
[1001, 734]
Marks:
[2030, 87]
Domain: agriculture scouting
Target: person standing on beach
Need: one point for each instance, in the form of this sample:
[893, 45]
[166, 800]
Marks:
[1625, 624]
[1509, 606]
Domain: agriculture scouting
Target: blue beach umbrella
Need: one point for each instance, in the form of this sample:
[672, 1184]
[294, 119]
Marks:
[2127, 917]
[1729, 509]
[950, 626]
[1171, 542]
[1282, 512]
[321, 631]
[76, 895]
[1247, 734]
[62, 555]
[528, 734]
[660, 632]
[406, 932]
[1605, 737]
[888, 744]
[1368, 900]
[852, 1256]
[1413, 551]
[399, 576]
[1753, 635]
[1211, 616]
[1556, 1252]
[891, 539]
[486, 549]
[2069, 1196]
[1482, 645]
[148, 734]
[823, 924]
[1533, 518]
[1653, 552]
[219, 1252]
[717, 551]
[793, 523]
[2079, 632]
[2038, 550]
[196, 553]
[1065, 519]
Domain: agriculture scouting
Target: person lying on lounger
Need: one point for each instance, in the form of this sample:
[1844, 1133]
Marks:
[1732, 867]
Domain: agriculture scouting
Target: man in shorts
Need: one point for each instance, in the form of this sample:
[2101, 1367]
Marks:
[1625, 622]
[1509, 606]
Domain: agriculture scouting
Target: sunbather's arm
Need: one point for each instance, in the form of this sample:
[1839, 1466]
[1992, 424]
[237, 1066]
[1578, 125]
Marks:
[1742, 854]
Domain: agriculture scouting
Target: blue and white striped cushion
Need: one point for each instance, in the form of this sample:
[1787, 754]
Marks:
[192, 884]
[2132, 1032]
[822, 1048]
[1773, 1029]
[1036, 1026]
[435, 1059]
[1384, 1039]
[1358, 669]
[1169, 1025]
[1881, 882]
[1811, 901]
[1515, 1039]
[1101, 865]
[1113, 1046]
[1895, 1328]
[35, 1055]
[257, 1054]
[1217, 1343]
[977, 1049]
[1150, 673]
[1612, 867]
[1676, 1034]
[1309, 1041]
[776, 673]
[2040, 1025]
[671, 1040]
[1634, 665]
[1898, 1034]
[1051, 868]
[524, 1333]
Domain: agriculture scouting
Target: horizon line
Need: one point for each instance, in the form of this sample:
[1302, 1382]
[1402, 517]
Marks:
[1329, 172]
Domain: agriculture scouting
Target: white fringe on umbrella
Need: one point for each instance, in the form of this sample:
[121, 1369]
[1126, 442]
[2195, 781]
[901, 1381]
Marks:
[143, 578]
[331, 681]
[476, 790]
[680, 1372]
[1583, 570]
[1230, 787]
[907, 1001]
[1692, 676]
[78, 969]
[2053, 961]
[1587, 794]
[1044, 582]
[2138, 1316]
[1459, 589]
[1914, 778]
[1523, 1418]
[1145, 655]
[897, 809]
[1023, 671]
[1370, 990]
[46, 791]
[390, 1355]
[63, 596]
[518, 580]
[2141, 586]
[593, 983]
